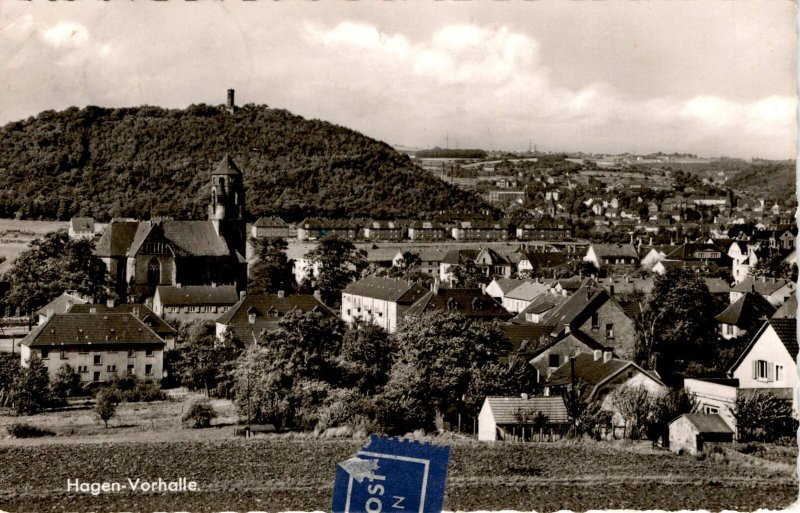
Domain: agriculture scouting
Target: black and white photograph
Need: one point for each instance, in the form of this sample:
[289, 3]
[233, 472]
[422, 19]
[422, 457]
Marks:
[398, 256]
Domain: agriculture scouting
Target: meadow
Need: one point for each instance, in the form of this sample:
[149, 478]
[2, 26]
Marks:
[294, 471]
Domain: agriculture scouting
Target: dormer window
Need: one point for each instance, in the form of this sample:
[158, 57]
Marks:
[251, 318]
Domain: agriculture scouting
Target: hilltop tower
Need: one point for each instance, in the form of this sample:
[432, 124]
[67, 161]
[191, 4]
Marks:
[226, 210]
[231, 105]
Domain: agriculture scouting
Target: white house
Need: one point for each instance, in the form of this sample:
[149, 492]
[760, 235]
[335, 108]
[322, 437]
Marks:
[381, 301]
[769, 362]
[509, 418]
[714, 396]
[499, 287]
[603, 255]
[522, 296]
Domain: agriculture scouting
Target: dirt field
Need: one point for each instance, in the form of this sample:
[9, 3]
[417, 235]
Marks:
[295, 472]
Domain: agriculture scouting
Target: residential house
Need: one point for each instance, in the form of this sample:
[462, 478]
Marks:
[788, 310]
[603, 374]
[255, 313]
[775, 290]
[499, 287]
[549, 357]
[142, 312]
[541, 306]
[470, 303]
[186, 303]
[540, 262]
[745, 315]
[381, 301]
[455, 257]
[100, 347]
[543, 229]
[610, 255]
[521, 297]
[428, 231]
[81, 228]
[62, 304]
[270, 227]
[526, 339]
[480, 230]
[714, 396]
[496, 263]
[384, 230]
[655, 254]
[769, 362]
[315, 228]
[523, 418]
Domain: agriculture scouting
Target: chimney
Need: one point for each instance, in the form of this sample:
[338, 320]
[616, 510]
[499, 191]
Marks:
[281, 293]
[483, 288]
[178, 285]
[92, 310]
[213, 285]
[611, 290]
[597, 353]
[241, 295]
[524, 396]
[50, 312]
[136, 311]
[110, 303]
[318, 295]
[435, 286]
[607, 356]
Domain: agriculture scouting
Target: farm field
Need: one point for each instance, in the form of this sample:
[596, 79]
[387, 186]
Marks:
[15, 234]
[295, 471]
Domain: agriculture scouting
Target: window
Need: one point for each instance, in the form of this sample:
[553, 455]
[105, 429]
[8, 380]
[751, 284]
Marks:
[131, 353]
[83, 368]
[595, 321]
[778, 372]
[45, 354]
[148, 370]
[83, 350]
[130, 368]
[710, 409]
[193, 309]
[251, 318]
[63, 355]
[98, 360]
[148, 352]
[609, 331]
[111, 368]
[762, 370]
[348, 311]
[96, 376]
[554, 360]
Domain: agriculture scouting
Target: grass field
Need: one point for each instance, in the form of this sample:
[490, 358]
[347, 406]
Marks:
[295, 471]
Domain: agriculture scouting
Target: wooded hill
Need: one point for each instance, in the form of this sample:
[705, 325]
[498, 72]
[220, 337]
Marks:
[148, 161]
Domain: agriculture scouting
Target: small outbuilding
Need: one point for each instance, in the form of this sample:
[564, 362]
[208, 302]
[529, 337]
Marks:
[523, 418]
[692, 432]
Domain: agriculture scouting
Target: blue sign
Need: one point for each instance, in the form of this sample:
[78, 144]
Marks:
[392, 475]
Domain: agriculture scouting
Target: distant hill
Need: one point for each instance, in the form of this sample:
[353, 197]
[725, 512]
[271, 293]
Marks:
[770, 179]
[143, 161]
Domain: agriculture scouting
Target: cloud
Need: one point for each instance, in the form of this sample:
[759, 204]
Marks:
[467, 77]
[66, 34]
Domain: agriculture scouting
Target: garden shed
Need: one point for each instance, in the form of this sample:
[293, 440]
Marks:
[523, 418]
[691, 432]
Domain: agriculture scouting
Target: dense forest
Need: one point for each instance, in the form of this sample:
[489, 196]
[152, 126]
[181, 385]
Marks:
[149, 161]
[772, 179]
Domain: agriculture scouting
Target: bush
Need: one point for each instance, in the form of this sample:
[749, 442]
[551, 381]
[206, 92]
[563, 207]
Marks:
[199, 415]
[130, 390]
[22, 430]
[106, 405]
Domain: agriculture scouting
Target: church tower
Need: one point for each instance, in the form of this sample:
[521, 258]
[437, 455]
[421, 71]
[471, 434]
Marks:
[226, 210]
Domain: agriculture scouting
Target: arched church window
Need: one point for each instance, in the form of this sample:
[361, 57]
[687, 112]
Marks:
[153, 272]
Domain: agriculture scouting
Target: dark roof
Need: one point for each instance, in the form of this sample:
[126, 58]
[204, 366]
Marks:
[539, 305]
[787, 310]
[179, 295]
[117, 238]
[746, 310]
[460, 256]
[528, 290]
[765, 286]
[577, 307]
[471, 303]
[588, 370]
[227, 167]
[504, 409]
[82, 224]
[270, 221]
[687, 251]
[62, 303]
[707, 422]
[785, 328]
[145, 314]
[576, 335]
[717, 285]
[615, 250]
[97, 329]
[525, 338]
[187, 238]
[386, 289]
[508, 284]
[268, 310]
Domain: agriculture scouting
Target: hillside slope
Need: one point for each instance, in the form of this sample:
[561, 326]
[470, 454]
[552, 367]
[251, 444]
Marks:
[147, 161]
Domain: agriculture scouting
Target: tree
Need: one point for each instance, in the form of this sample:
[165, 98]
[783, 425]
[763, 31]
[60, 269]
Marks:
[30, 390]
[633, 405]
[678, 312]
[773, 266]
[663, 409]
[468, 275]
[762, 416]
[339, 263]
[199, 415]
[9, 369]
[66, 382]
[205, 362]
[271, 271]
[105, 406]
[53, 264]
[438, 356]
[366, 357]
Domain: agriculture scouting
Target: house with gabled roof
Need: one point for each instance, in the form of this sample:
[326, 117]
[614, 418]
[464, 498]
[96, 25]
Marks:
[775, 290]
[744, 315]
[499, 287]
[522, 296]
[100, 347]
[539, 308]
[607, 255]
[549, 357]
[141, 255]
[187, 303]
[470, 303]
[381, 301]
[769, 362]
[81, 228]
[788, 310]
[270, 226]
[523, 418]
[62, 304]
[255, 313]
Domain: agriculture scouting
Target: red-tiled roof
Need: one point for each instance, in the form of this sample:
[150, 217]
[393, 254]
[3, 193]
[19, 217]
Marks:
[472, 303]
[143, 312]
[505, 409]
[746, 310]
[187, 295]
[386, 289]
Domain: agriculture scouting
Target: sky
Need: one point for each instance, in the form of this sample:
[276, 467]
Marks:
[712, 78]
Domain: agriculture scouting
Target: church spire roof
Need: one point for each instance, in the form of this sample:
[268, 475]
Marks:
[227, 167]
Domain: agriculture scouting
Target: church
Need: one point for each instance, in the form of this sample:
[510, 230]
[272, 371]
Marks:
[141, 255]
